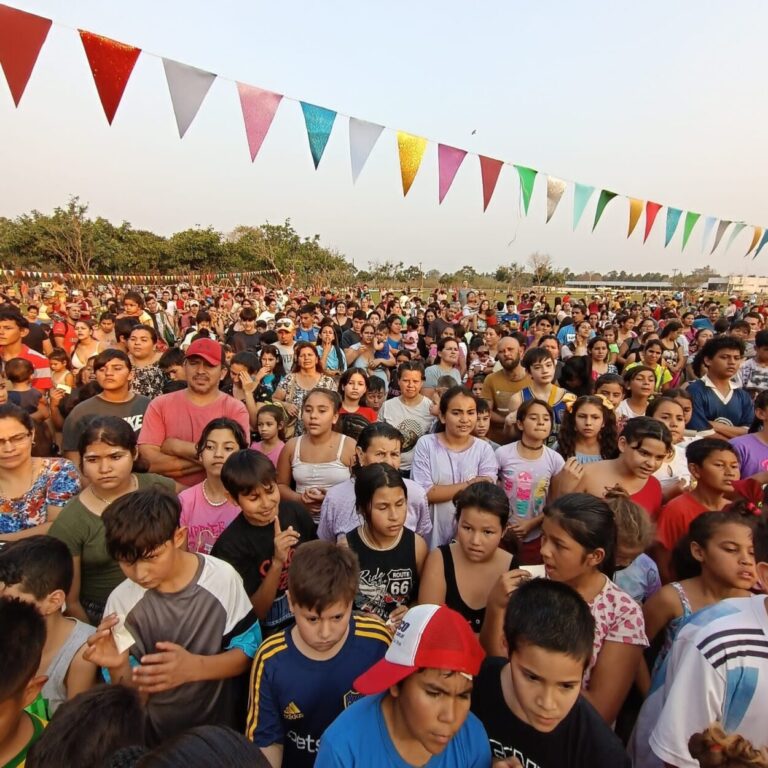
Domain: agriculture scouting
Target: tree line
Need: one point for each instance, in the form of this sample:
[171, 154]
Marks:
[69, 240]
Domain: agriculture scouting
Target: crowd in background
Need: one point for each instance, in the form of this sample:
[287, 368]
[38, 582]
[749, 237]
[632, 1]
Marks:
[246, 526]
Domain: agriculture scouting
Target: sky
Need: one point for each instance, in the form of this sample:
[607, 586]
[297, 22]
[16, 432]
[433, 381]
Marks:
[658, 100]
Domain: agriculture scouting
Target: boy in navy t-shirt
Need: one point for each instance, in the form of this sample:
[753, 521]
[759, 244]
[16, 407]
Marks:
[302, 677]
[416, 708]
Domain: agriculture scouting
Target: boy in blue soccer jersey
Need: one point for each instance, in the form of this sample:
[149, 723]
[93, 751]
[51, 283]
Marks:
[718, 671]
[416, 708]
[184, 617]
[302, 677]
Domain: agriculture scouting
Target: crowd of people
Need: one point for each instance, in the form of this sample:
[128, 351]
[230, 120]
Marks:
[241, 527]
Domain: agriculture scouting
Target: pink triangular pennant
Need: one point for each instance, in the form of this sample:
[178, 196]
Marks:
[21, 37]
[111, 64]
[449, 160]
[259, 109]
[489, 170]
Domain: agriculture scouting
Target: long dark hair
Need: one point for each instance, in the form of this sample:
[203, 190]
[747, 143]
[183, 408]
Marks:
[113, 431]
[279, 371]
[221, 423]
[607, 437]
[590, 522]
[368, 480]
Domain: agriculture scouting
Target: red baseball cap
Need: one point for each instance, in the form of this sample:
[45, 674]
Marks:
[208, 349]
[431, 637]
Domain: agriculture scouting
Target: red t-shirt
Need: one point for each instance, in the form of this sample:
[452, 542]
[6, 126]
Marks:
[173, 415]
[675, 519]
[41, 377]
[649, 497]
[363, 410]
[68, 332]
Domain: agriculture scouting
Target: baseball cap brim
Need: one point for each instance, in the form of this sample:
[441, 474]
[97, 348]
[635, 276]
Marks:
[382, 676]
[210, 359]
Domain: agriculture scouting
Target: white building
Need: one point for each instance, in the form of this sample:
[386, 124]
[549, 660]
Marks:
[739, 284]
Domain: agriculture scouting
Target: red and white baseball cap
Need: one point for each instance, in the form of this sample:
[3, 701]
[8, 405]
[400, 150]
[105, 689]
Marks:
[429, 637]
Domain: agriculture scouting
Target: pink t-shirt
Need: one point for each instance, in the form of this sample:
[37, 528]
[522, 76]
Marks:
[618, 619]
[173, 415]
[203, 521]
[272, 455]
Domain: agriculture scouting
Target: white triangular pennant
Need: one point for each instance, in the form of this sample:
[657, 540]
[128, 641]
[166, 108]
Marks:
[362, 139]
[188, 87]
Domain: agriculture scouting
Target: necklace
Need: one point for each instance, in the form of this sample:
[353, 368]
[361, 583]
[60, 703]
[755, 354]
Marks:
[105, 502]
[209, 500]
[371, 545]
[529, 447]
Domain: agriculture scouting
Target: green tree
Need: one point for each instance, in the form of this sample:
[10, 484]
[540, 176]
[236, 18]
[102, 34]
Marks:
[195, 249]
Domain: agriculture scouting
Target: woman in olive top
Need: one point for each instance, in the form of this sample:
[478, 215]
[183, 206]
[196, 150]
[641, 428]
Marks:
[107, 453]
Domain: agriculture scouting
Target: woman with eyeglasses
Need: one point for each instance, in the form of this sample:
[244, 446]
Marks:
[32, 490]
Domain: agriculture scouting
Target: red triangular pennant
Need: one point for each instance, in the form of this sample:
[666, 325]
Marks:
[651, 211]
[489, 170]
[111, 64]
[21, 37]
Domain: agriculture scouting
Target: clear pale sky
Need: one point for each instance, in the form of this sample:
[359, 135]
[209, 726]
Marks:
[661, 100]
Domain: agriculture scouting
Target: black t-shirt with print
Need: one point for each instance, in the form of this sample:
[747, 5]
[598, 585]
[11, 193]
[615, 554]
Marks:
[581, 740]
[249, 550]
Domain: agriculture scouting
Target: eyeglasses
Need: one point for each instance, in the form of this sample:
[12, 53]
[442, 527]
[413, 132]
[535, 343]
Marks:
[15, 439]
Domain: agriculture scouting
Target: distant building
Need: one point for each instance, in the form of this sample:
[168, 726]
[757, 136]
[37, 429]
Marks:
[738, 284]
[618, 285]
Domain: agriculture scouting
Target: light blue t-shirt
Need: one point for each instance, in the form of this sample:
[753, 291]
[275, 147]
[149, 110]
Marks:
[434, 373]
[358, 738]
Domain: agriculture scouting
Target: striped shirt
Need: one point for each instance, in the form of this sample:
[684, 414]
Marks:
[293, 698]
[41, 377]
[718, 670]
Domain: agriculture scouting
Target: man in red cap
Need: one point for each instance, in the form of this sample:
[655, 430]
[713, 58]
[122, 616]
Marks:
[174, 422]
[416, 706]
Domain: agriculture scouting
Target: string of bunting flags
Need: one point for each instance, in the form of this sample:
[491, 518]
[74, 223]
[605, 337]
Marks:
[23, 34]
[239, 277]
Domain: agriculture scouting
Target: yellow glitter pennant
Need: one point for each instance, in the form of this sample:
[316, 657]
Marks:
[411, 150]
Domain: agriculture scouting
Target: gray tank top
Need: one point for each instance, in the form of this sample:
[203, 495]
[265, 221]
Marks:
[55, 688]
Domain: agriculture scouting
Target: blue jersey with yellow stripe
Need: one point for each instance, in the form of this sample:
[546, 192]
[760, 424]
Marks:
[293, 698]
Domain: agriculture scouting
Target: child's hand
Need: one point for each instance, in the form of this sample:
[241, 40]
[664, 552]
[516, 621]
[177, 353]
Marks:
[508, 582]
[56, 395]
[521, 528]
[394, 619]
[313, 498]
[284, 542]
[571, 475]
[508, 762]
[171, 667]
[102, 648]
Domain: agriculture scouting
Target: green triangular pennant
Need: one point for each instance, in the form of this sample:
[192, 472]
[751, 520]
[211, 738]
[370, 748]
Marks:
[527, 178]
[603, 200]
[690, 222]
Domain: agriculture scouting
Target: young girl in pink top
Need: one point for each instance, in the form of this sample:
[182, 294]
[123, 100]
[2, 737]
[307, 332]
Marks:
[269, 425]
[578, 547]
[206, 510]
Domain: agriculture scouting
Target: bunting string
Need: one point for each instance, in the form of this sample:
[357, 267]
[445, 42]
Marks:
[23, 36]
[163, 279]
